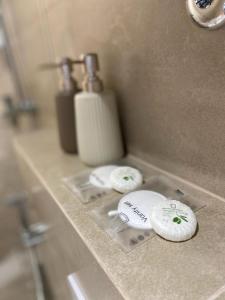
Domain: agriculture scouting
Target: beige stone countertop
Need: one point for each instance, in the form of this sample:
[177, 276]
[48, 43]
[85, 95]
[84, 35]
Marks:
[157, 269]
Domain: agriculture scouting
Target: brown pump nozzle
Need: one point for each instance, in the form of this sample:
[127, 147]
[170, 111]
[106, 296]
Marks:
[66, 65]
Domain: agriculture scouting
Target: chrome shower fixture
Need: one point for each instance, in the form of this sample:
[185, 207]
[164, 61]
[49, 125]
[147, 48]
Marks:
[208, 14]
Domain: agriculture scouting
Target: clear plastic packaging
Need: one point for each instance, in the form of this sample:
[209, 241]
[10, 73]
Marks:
[128, 238]
[168, 188]
[82, 187]
[116, 227]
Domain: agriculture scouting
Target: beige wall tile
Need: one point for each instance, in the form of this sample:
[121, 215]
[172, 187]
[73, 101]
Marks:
[168, 74]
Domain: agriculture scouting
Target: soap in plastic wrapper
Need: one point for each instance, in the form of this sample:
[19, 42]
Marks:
[91, 184]
[167, 187]
[116, 227]
[87, 186]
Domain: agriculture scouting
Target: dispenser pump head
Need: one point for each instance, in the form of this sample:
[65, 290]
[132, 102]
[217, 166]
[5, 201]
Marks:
[92, 82]
[66, 67]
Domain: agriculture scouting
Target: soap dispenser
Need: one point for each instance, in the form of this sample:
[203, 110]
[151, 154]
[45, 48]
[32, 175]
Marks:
[97, 123]
[65, 103]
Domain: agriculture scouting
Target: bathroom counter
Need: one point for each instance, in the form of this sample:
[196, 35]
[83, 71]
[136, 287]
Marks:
[157, 269]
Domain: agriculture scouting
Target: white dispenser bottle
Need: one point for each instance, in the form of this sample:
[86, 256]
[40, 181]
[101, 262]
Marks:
[98, 130]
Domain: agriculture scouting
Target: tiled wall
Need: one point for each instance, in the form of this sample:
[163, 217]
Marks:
[168, 74]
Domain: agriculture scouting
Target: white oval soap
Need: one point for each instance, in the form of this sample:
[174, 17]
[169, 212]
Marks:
[134, 208]
[100, 177]
[173, 220]
[126, 179]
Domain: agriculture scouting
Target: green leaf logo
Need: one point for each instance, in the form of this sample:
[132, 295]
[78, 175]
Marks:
[179, 219]
[184, 218]
[127, 178]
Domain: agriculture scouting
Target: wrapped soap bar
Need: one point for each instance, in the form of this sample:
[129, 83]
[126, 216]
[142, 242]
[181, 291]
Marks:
[126, 179]
[100, 177]
[134, 208]
[90, 185]
[173, 220]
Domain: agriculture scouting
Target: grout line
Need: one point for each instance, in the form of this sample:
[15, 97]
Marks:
[218, 293]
